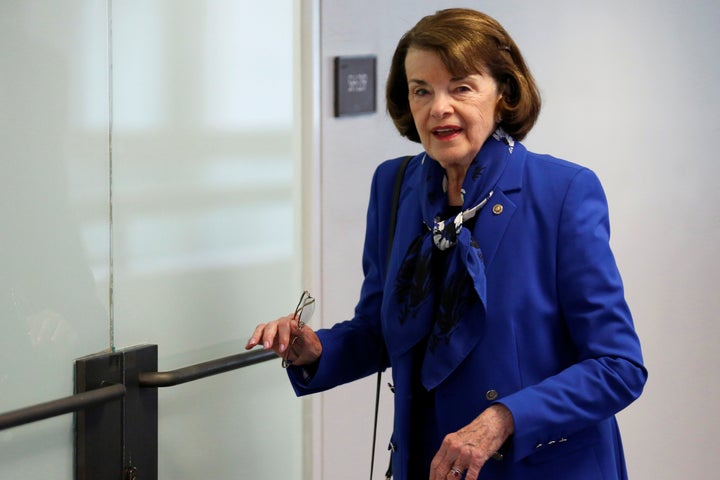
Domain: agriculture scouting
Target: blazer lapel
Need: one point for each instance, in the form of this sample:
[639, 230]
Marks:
[496, 215]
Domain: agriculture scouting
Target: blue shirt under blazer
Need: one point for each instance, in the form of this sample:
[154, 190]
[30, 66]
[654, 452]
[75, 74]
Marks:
[560, 350]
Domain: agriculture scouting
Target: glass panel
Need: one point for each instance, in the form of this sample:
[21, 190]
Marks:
[54, 247]
[203, 220]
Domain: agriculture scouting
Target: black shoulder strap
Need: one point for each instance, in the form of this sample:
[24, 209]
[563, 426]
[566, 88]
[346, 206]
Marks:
[396, 200]
[391, 236]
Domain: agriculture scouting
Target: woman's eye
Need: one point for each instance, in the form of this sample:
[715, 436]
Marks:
[463, 89]
[420, 92]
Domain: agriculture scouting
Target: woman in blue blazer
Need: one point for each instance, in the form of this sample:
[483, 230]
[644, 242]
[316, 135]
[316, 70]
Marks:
[500, 307]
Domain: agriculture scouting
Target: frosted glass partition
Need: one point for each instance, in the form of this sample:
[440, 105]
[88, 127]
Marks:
[149, 196]
[203, 220]
[54, 240]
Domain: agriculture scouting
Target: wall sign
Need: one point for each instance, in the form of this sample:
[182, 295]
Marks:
[354, 85]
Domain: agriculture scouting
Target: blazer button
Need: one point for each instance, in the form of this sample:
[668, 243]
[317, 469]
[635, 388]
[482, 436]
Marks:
[497, 209]
[491, 395]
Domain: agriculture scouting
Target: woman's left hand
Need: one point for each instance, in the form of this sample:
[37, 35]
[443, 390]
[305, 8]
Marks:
[471, 446]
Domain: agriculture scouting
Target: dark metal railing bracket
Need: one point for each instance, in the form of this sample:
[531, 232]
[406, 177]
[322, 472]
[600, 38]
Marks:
[118, 437]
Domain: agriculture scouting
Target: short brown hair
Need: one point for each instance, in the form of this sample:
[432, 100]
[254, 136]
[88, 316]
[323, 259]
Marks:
[468, 42]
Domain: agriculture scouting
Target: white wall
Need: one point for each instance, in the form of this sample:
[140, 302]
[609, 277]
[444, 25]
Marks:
[630, 90]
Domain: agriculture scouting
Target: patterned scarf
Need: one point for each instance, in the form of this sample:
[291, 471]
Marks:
[449, 312]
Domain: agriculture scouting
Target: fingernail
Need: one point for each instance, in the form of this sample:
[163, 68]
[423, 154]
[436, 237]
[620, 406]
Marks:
[266, 345]
[282, 347]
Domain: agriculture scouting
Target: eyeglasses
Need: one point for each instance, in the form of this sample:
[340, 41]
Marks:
[303, 314]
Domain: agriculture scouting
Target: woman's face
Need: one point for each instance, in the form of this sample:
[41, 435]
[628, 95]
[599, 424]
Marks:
[453, 115]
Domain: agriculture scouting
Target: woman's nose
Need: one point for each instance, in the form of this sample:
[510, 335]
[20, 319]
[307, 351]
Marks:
[441, 106]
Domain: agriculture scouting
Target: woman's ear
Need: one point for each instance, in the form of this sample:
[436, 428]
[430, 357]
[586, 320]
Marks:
[499, 108]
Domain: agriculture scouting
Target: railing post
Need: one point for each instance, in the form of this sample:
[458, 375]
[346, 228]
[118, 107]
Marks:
[119, 439]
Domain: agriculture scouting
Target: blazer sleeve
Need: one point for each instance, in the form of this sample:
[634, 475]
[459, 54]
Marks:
[609, 372]
[354, 348]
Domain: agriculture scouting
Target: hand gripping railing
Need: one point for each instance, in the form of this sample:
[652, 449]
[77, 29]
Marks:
[116, 408]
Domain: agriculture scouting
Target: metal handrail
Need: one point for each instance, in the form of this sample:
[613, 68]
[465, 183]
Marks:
[204, 369]
[61, 406]
[107, 394]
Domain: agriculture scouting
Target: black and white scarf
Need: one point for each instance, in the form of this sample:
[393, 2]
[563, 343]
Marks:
[450, 311]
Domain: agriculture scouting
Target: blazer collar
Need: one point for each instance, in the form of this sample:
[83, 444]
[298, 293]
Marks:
[513, 175]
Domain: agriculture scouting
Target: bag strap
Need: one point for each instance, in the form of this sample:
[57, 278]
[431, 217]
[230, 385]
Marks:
[396, 201]
[391, 236]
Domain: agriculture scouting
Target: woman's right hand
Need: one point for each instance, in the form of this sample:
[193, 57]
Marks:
[298, 345]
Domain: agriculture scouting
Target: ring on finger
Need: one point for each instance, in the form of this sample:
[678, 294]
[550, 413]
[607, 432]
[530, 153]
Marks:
[456, 472]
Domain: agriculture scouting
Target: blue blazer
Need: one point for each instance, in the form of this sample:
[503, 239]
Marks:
[560, 350]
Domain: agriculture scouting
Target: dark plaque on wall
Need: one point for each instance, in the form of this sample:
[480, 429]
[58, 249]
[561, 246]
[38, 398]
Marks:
[354, 85]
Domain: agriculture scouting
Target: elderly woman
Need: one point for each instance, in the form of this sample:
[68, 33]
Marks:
[500, 307]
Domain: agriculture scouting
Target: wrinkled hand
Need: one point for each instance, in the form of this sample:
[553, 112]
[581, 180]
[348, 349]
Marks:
[471, 446]
[298, 345]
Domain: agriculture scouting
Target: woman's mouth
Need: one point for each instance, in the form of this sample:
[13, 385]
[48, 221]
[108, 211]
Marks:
[446, 132]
